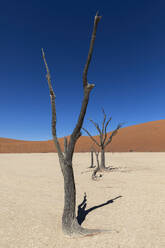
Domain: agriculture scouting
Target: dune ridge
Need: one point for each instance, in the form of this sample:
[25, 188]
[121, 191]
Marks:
[145, 137]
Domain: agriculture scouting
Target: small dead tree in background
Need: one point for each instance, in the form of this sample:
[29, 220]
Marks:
[94, 174]
[92, 165]
[92, 150]
[103, 137]
[70, 225]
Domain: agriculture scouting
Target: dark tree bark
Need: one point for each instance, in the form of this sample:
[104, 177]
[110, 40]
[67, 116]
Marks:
[65, 146]
[102, 165]
[92, 165]
[92, 161]
[103, 138]
[70, 225]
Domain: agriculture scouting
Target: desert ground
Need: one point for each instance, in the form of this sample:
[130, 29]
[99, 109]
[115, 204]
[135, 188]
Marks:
[129, 200]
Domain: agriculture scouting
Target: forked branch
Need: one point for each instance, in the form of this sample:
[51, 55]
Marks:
[96, 125]
[105, 131]
[87, 88]
[91, 136]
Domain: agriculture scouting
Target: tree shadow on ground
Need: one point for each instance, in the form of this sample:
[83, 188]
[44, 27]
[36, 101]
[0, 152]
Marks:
[118, 169]
[82, 213]
[110, 169]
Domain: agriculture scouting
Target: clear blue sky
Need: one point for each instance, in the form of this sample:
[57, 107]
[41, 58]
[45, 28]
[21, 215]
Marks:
[127, 67]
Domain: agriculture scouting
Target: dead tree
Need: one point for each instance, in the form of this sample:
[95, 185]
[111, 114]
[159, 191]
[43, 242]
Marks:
[92, 151]
[103, 137]
[70, 225]
[94, 174]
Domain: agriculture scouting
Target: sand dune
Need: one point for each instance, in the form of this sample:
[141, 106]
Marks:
[146, 137]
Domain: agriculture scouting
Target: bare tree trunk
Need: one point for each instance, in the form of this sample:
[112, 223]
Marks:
[70, 224]
[94, 176]
[70, 198]
[68, 217]
[97, 159]
[102, 165]
[91, 160]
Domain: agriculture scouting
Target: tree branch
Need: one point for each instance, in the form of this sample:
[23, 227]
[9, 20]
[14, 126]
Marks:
[102, 132]
[113, 134]
[96, 125]
[52, 97]
[87, 89]
[105, 132]
[97, 19]
[76, 132]
[103, 120]
[91, 136]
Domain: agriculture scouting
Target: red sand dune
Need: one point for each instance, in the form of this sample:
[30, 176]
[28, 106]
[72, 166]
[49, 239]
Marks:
[146, 137]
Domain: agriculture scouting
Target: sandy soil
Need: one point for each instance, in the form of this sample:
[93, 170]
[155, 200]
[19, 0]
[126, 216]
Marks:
[31, 198]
